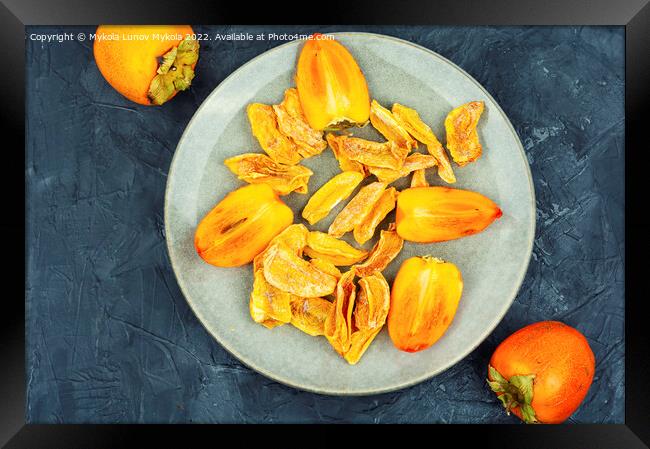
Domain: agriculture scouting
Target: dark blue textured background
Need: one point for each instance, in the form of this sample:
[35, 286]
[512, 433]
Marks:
[110, 337]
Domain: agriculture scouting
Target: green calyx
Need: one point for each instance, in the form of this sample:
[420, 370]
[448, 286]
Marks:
[175, 72]
[516, 392]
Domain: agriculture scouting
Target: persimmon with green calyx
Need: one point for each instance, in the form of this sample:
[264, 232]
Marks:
[542, 372]
[148, 64]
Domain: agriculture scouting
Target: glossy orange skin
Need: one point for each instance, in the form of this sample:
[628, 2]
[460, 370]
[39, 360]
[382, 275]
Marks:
[560, 358]
[423, 301]
[331, 86]
[241, 226]
[130, 65]
[437, 214]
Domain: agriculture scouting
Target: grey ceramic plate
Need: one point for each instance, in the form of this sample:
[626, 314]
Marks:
[493, 263]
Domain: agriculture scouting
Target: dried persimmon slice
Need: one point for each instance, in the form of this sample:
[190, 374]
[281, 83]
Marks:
[357, 209]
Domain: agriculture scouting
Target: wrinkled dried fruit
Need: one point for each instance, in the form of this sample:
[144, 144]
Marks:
[444, 165]
[257, 168]
[337, 323]
[333, 91]
[327, 247]
[259, 316]
[424, 299]
[285, 270]
[357, 315]
[437, 214]
[309, 314]
[366, 229]
[345, 163]
[293, 124]
[269, 306]
[462, 137]
[330, 194]
[415, 161]
[357, 209]
[367, 152]
[372, 303]
[411, 121]
[326, 267]
[419, 178]
[384, 122]
[241, 226]
[370, 311]
[293, 237]
[385, 250]
[265, 128]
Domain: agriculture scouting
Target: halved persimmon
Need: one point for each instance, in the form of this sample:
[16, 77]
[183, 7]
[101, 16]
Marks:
[241, 226]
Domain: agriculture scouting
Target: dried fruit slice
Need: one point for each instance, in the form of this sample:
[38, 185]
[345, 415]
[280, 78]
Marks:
[373, 302]
[345, 163]
[462, 137]
[359, 342]
[424, 299]
[265, 128]
[330, 194]
[377, 154]
[241, 226]
[415, 161]
[357, 209]
[326, 267]
[269, 306]
[384, 122]
[366, 229]
[293, 124]
[337, 324]
[327, 247]
[385, 250]
[437, 214]
[283, 269]
[419, 178]
[291, 104]
[259, 316]
[370, 312]
[257, 168]
[293, 237]
[444, 165]
[411, 121]
[333, 91]
[309, 314]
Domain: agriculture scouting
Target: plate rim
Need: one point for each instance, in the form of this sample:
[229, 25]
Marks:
[363, 392]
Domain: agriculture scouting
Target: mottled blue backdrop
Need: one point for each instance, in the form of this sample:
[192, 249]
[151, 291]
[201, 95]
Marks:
[110, 337]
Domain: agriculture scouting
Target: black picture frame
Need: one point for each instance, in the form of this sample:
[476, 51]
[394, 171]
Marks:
[633, 14]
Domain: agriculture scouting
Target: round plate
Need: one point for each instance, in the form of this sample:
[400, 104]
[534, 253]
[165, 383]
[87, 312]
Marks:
[493, 263]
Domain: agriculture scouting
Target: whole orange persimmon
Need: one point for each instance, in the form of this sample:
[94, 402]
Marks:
[542, 372]
[148, 64]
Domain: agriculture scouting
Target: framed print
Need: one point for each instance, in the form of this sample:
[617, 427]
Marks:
[421, 219]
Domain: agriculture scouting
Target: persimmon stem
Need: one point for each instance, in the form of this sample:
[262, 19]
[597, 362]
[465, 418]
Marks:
[175, 72]
[514, 392]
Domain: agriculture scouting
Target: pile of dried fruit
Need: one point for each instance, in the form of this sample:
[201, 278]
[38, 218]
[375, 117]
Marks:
[253, 224]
